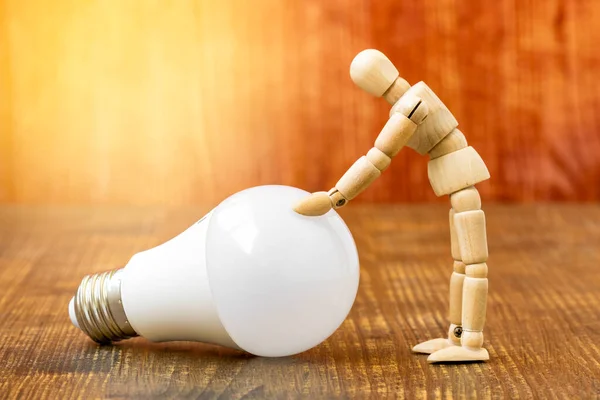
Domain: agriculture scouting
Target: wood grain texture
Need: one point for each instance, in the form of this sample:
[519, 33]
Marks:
[185, 102]
[542, 332]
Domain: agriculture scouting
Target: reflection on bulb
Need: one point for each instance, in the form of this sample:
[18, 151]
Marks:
[252, 274]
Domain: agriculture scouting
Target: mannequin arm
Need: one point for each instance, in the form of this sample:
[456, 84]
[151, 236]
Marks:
[410, 112]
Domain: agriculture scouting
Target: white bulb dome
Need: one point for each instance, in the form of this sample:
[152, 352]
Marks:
[281, 282]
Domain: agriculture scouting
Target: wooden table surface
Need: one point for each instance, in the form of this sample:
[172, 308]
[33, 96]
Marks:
[542, 333]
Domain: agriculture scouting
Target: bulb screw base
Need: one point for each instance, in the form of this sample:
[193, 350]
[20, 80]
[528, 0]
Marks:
[99, 309]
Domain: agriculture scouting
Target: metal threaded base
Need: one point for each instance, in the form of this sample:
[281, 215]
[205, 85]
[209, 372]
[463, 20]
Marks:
[99, 309]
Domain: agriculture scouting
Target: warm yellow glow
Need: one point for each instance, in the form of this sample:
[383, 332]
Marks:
[141, 102]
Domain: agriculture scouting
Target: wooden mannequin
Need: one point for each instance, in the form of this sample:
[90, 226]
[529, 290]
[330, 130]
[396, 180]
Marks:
[419, 120]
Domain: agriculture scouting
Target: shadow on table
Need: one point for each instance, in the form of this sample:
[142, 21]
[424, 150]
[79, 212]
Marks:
[141, 368]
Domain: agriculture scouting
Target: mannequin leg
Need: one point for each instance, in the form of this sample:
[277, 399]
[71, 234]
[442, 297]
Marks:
[455, 304]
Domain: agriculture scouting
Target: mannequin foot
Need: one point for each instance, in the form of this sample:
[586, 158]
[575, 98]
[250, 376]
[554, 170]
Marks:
[433, 345]
[458, 354]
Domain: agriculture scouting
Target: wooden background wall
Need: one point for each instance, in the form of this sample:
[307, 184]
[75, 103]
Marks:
[180, 102]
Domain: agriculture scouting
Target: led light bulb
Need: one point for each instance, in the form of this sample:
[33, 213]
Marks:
[252, 274]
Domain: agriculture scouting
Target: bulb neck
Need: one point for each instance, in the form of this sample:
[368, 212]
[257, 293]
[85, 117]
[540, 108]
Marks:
[99, 310]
